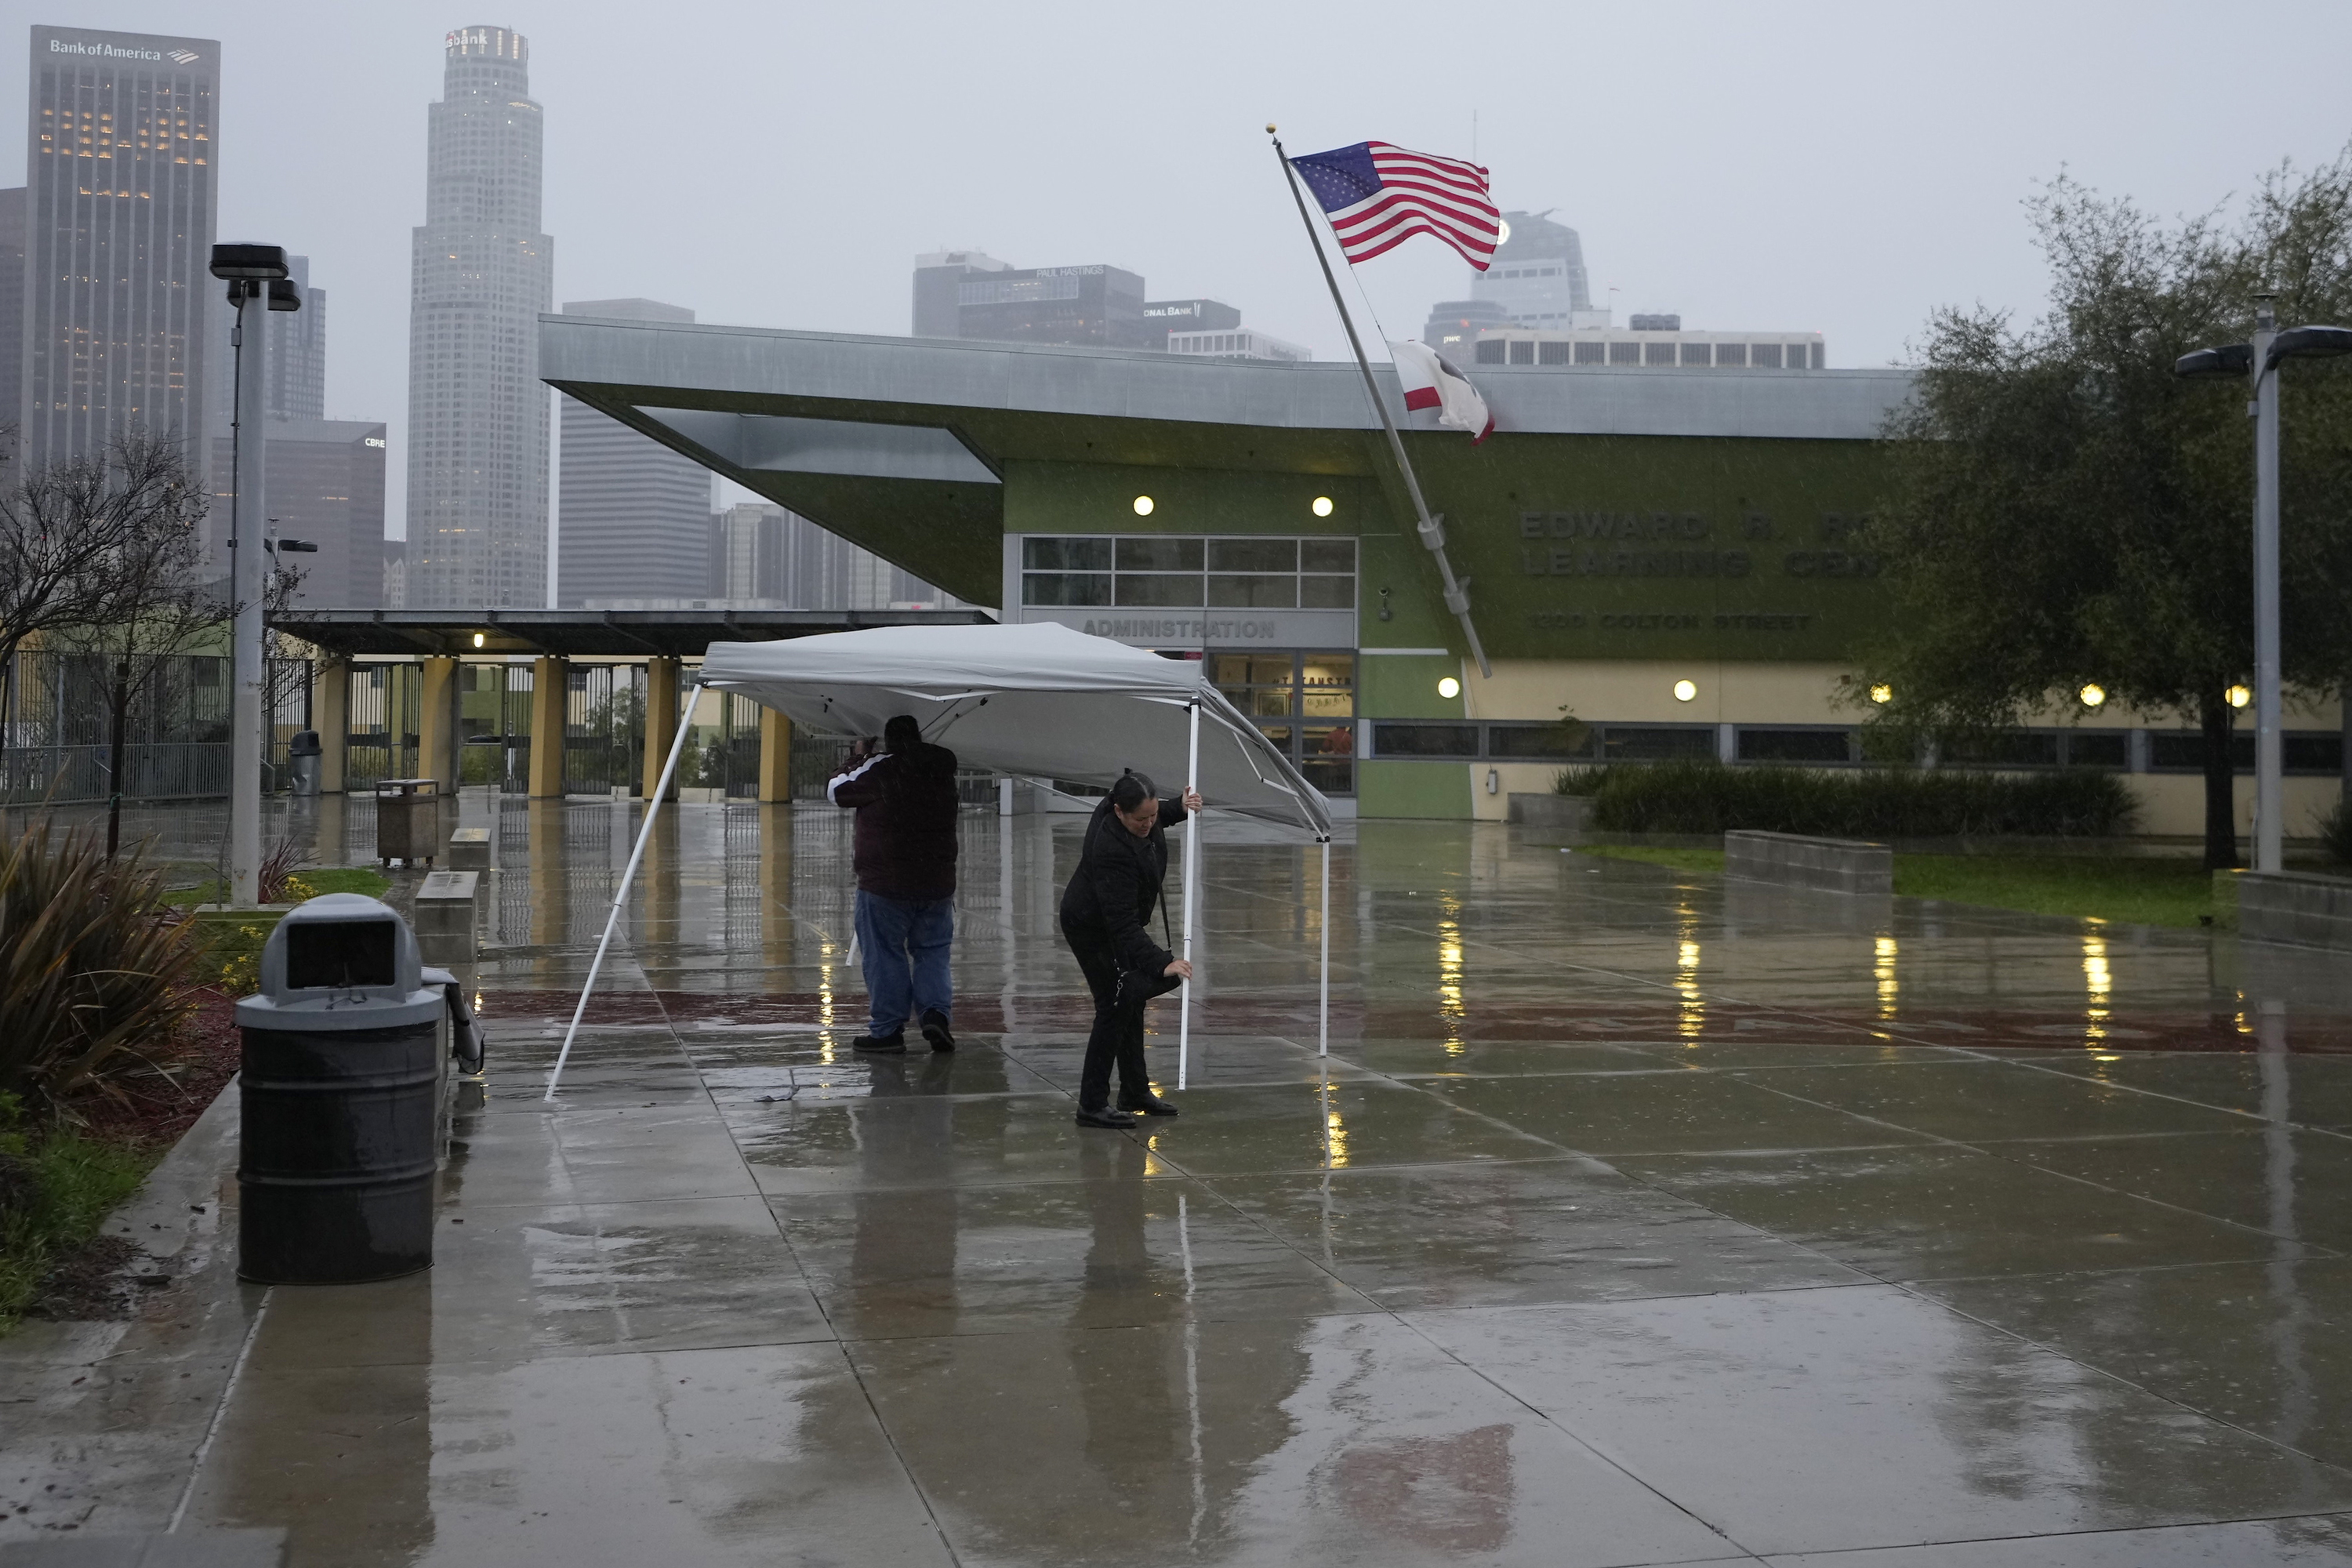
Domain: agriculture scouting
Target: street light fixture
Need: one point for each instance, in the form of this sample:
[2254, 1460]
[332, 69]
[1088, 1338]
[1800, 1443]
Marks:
[2259, 359]
[258, 280]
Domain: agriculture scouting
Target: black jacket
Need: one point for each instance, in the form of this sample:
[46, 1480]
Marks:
[1109, 898]
[906, 805]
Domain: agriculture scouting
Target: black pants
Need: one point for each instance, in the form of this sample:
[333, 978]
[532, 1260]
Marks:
[1118, 1034]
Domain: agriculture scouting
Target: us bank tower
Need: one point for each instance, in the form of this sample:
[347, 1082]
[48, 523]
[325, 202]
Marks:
[477, 414]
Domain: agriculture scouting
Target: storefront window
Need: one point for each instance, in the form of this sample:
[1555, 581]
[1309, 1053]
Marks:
[1280, 691]
[1173, 571]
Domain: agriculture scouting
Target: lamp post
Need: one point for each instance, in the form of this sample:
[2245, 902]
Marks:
[257, 280]
[2261, 359]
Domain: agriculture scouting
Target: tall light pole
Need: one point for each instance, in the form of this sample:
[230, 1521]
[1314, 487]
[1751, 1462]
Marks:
[258, 282]
[2261, 359]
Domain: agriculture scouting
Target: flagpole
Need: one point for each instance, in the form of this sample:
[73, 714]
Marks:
[1431, 530]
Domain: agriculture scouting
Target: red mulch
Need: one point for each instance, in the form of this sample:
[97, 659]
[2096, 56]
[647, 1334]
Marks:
[157, 1106]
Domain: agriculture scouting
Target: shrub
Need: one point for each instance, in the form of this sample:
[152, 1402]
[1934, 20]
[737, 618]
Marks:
[2335, 834]
[1705, 797]
[92, 965]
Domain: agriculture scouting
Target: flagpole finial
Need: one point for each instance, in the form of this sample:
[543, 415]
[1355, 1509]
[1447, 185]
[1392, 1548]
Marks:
[1269, 128]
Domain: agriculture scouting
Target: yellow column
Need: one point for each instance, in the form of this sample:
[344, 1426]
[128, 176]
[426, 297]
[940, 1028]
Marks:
[775, 757]
[436, 723]
[547, 706]
[330, 715]
[661, 722]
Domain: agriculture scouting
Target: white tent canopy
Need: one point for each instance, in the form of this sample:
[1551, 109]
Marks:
[1041, 701]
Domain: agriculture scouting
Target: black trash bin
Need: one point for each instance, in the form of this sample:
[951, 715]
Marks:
[304, 757]
[341, 1091]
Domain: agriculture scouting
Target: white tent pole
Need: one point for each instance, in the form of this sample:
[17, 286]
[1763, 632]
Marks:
[1324, 1029]
[621, 894]
[1191, 866]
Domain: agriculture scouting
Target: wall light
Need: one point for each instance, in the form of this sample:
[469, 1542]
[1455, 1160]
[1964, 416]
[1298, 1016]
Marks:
[1143, 506]
[1494, 781]
[1882, 694]
[1322, 506]
[1449, 687]
[2093, 695]
[1685, 689]
[479, 639]
[2239, 696]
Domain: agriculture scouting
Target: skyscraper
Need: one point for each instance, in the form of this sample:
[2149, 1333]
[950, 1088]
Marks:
[298, 353]
[1537, 280]
[120, 309]
[12, 305]
[482, 272]
[631, 515]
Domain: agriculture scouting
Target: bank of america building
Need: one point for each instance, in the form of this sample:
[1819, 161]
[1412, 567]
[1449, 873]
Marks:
[119, 306]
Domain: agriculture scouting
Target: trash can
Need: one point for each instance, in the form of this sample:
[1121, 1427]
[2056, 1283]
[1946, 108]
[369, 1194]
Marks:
[304, 757]
[407, 820]
[341, 1089]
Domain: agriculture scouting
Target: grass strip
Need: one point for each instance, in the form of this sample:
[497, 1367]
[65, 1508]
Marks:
[57, 1188]
[2132, 889]
[313, 881]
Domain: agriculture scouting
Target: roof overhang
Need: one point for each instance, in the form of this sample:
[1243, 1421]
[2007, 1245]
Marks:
[625, 634]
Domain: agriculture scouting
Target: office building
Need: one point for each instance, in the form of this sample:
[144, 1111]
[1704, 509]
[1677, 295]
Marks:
[325, 482]
[1244, 343]
[298, 353]
[1649, 344]
[120, 308]
[1538, 276]
[12, 306]
[1096, 305]
[1455, 324]
[938, 274]
[631, 516]
[482, 273]
[1190, 316]
[761, 556]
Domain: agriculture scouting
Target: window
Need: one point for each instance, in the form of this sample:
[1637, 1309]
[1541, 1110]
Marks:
[1658, 353]
[1730, 354]
[1426, 740]
[2110, 752]
[1624, 354]
[1177, 571]
[1696, 353]
[1539, 742]
[1592, 354]
[1765, 356]
[1798, 359]
[1492, 351]
[2007, 748]
[1620, 743]
[1795, 746]
[1523, 352]
[1551, 354]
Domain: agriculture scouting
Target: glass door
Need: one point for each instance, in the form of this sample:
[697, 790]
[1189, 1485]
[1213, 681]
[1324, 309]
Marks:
[1303, 702]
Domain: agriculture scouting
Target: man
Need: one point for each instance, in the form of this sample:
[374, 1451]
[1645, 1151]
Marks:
[905, 797]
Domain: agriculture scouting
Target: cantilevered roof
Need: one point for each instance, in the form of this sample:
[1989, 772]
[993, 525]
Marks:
[619, 633]
[900, 444]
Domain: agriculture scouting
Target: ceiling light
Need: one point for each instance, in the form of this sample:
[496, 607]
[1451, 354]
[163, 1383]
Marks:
[1322, 506]
[1143, 506]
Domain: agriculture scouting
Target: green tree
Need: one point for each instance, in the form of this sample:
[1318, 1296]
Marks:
[2065, 511]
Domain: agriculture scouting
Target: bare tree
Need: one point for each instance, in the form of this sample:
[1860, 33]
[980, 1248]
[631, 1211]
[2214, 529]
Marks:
[58, 525]
[147, 600]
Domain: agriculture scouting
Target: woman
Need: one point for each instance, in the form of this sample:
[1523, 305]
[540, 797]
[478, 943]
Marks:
[1106, 916]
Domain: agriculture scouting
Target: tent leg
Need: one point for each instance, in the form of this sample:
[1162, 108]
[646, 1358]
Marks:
[1191, 868]
[1323, 1031]
[621, 894]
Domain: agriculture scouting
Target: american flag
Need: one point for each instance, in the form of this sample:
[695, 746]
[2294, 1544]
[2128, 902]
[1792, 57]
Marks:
[1378, 195]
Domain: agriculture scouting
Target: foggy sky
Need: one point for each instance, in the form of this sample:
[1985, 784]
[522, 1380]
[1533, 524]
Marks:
[1839, 168]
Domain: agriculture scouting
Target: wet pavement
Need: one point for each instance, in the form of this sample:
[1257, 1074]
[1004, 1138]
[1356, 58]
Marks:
[1629, 1220]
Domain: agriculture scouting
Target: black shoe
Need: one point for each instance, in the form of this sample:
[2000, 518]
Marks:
[1146, 1104]
[1115, 1119]
[896, 1040]
[934, 1029]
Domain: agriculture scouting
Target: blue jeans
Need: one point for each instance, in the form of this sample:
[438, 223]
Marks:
[902, 945]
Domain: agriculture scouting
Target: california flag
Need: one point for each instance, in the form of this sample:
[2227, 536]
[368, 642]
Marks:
[1429, 383]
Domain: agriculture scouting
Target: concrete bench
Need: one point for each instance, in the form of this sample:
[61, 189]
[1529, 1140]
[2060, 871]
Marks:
[2299, 907]
[1569, 814]
[1825, 865]
[469, 849]
[444, 919]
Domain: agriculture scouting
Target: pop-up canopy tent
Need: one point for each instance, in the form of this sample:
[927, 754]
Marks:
[1041, 701]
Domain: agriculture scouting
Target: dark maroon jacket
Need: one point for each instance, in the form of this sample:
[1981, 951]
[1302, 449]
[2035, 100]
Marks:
[906, 805]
